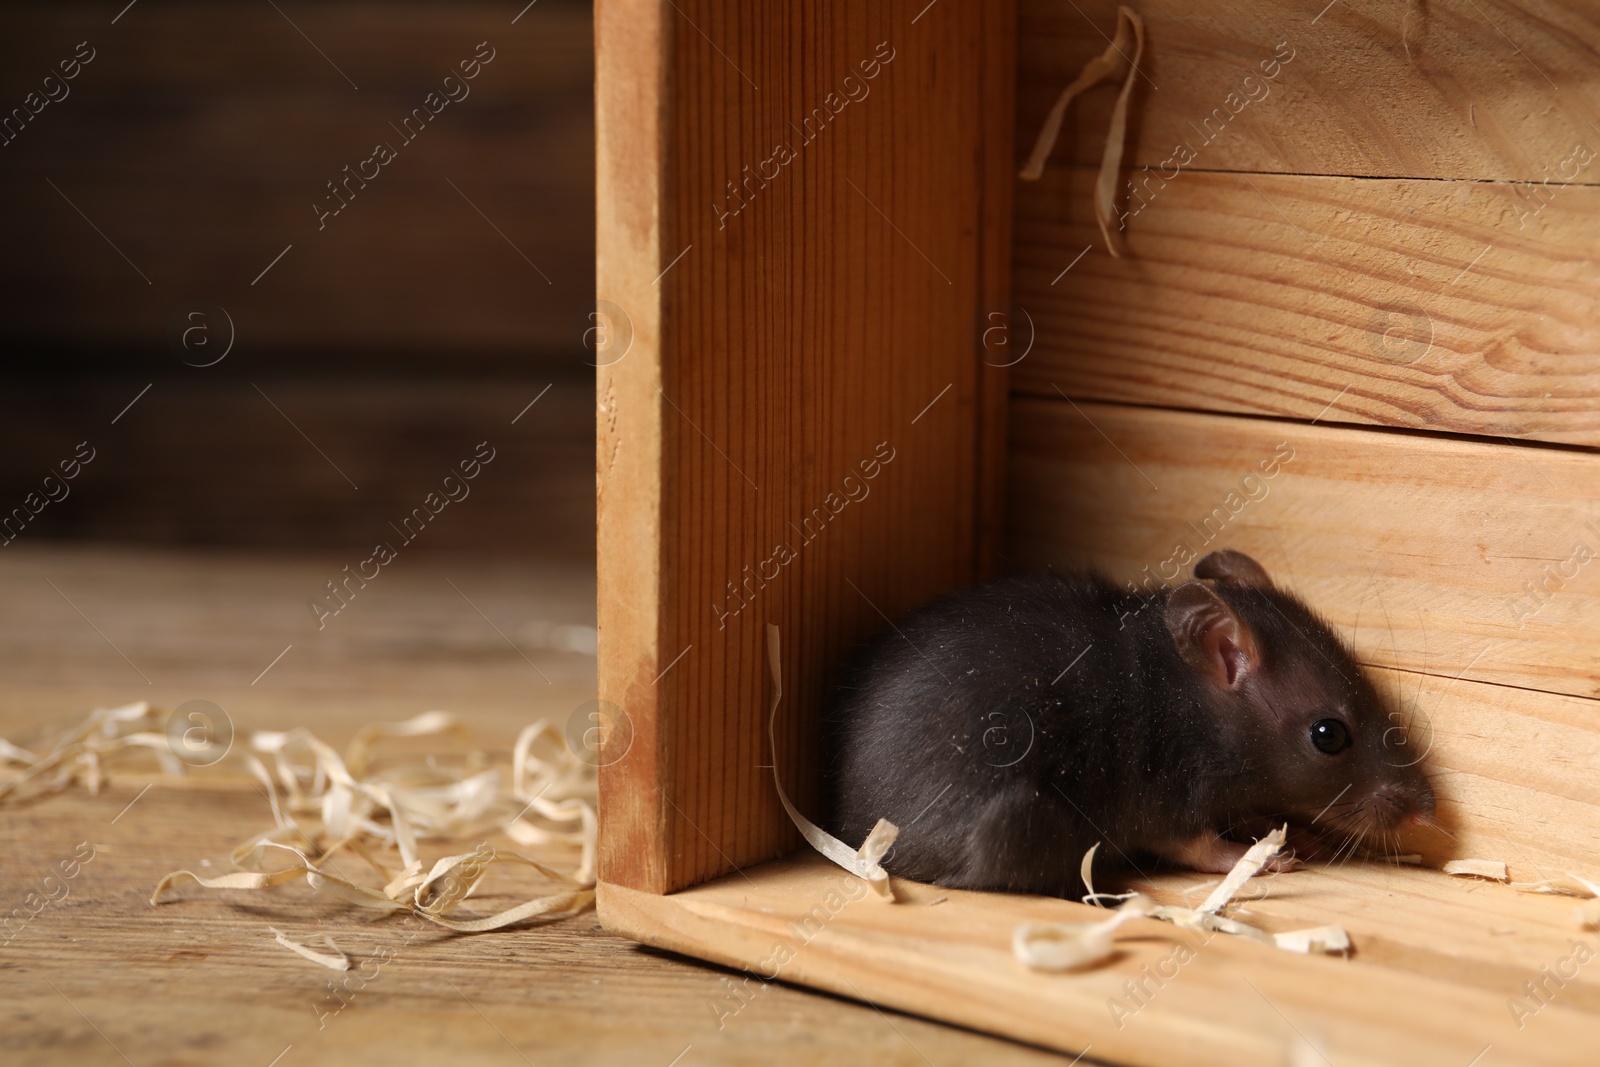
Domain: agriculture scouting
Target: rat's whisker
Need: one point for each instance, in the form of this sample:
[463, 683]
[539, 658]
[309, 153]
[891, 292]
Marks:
[1431, 823]
[1354, 844]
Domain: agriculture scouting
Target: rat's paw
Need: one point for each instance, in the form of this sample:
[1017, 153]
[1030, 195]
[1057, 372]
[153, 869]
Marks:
[1210, 854]
[1308, 845]
[1281, 863]
[1206, 853]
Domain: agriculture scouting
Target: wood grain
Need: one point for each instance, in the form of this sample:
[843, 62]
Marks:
[1418, 548]
[1233, 1002]
[801, 393]
[1488, 90]
[1465, 307]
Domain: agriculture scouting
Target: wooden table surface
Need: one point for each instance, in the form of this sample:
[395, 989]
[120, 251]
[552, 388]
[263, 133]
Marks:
[102, 977]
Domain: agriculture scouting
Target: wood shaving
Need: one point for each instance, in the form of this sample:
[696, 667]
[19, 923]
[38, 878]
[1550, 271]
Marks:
[864, 862]
[1209, 922]
[1086, 872]
[1585, 915]
[1248, 867]
[1493, 870]
[1074, 946]
[10, 753]
[359, 751]
[1130, 29]
[1416, 11]
[1322, 940]
[75, 755]
[335, 959]
[1568, 885]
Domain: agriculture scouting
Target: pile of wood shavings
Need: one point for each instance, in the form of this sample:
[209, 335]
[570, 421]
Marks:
[77, 755]
[1077, 946]
[334, 805]
[324, 805]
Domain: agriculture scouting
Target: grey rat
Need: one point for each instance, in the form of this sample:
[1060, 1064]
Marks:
[1007, 728]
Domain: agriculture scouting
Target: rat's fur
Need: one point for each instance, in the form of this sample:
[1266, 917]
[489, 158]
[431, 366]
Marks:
[1003, 754]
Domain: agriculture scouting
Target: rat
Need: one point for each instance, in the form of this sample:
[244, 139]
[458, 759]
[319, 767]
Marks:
[1007, 728]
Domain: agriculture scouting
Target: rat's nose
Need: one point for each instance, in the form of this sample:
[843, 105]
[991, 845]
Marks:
[1403, 805]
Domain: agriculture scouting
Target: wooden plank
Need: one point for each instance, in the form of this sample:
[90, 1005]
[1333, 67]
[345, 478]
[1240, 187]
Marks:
[1494, 89]
[801, 392]
[630, 451]
[1436, 305]
[200, 136]
[1230, 1001]
[1418, 548]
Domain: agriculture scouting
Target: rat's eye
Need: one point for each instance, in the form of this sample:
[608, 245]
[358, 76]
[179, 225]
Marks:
[1330, 736]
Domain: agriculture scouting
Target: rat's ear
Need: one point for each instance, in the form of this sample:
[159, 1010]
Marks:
[1226, 565]
[1209, 634]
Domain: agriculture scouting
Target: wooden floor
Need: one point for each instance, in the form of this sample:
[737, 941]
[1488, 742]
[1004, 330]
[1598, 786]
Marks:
[101, 977]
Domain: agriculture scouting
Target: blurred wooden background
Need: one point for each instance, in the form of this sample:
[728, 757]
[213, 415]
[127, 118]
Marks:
[184, 157]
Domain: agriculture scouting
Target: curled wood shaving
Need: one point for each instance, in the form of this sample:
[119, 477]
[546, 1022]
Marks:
[75, 755]
[335, 959]
[559, 789]
[1086, 872]
[1074, 946]
[1587, 916]
[235, 880]
[359, 751]
[1248, 867]
[1130, 28]
[864, 862]
[1493, 870]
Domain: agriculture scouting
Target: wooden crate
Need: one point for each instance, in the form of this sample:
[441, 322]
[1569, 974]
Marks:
[816, 263]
